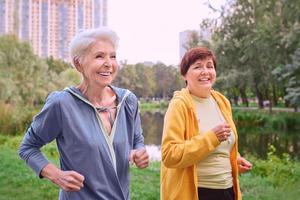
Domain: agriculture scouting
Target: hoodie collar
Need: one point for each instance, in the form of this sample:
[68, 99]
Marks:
[120, 93]
[185, 95]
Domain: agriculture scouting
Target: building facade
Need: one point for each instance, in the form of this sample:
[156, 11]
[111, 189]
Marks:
[49, 25]
[204, 34]
[184, 38]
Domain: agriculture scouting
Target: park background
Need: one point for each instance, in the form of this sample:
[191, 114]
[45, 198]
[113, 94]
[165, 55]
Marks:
[257, 45]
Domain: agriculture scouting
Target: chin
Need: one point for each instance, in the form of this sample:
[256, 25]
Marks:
[206, 86]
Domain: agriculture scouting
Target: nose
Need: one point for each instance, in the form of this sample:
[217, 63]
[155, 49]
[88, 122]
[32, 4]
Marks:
[107, 62]
[204, 70]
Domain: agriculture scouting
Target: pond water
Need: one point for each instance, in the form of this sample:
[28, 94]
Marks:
[254, 141]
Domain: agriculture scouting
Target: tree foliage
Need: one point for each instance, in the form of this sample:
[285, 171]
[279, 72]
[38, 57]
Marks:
[253, 38]
[24, 77]
[156, 81]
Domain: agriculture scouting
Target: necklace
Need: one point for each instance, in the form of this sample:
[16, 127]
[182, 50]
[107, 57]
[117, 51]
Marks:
[108, 110]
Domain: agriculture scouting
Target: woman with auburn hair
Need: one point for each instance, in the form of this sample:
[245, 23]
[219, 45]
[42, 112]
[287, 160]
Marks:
[200, 158]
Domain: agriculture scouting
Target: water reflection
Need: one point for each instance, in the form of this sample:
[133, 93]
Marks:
[257, 142]
[254, 141]
[152, 123]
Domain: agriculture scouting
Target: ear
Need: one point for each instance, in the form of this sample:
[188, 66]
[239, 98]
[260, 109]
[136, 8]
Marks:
[77, 64]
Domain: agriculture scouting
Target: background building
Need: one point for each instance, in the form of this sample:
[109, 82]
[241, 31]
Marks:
[203, 34]
[49, 25]
[184, 38]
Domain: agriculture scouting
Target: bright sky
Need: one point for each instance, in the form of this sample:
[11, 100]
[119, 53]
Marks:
[149, 29]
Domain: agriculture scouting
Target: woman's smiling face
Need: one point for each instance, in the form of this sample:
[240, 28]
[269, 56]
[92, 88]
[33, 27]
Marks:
[99, 65]
[201, 75]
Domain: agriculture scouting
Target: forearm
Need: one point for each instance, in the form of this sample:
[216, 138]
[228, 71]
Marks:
[51, 172]
[30, 152]
[186, 153]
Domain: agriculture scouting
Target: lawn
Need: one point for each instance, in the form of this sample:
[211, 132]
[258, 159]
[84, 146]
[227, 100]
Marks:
[271, 179]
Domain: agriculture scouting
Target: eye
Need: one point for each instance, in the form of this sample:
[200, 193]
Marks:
[198, 67]
[99, 56]
[113, 56]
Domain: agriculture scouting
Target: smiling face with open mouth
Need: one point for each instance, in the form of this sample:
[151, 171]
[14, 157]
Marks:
[201, 76]
[99, 66]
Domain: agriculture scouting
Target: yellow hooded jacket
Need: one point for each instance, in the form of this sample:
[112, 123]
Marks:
[182, 147]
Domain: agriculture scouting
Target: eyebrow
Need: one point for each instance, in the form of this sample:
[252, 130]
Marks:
[101, 52]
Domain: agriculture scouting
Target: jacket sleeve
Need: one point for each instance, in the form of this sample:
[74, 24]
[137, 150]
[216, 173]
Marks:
[178, 151]
[44, 128]
[138, 138]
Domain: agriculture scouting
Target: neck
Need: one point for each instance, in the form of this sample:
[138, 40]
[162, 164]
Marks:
[201, 93]
[98, 96]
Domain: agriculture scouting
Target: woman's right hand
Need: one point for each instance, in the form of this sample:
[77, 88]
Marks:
[69, 181]
[222, 131]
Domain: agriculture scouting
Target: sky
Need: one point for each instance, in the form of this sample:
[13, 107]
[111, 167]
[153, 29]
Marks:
[149, 29]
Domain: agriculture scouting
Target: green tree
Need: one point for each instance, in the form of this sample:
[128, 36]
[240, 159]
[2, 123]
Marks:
[24, 77]
[290, 73]
[253, 38]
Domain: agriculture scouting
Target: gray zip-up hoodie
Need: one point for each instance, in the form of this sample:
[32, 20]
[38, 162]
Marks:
[84, 147]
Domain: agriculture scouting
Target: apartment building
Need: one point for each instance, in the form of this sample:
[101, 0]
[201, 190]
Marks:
[49, 25]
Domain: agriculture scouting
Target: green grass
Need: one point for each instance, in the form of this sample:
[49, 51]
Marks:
[146, 106]
[18, 182]
[271, 179]
[145, 183]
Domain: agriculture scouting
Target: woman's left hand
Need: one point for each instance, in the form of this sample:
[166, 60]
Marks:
[244, 165]
[140, 157]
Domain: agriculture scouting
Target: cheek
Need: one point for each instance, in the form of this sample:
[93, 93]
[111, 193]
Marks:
[116, 66]
[214, 77]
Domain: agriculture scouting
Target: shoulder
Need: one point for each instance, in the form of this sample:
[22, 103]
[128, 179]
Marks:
[181, 100]
[220, 98]
[178, 107]
[125, 95]
[58, 97]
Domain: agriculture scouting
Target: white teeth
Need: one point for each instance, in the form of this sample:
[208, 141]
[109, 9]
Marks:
[203, 79]
[105, 73]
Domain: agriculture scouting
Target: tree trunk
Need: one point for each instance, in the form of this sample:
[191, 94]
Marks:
[244, 97]
[269, 98]
[236, 100]
[259, 96]
[275, 100]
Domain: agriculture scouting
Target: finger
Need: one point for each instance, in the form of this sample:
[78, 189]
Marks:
[66, 185]
[243, 169]
[143, 164]
[142, 158]
[226, 129]
[227, 134]
[140, 152]
[247, 163]
[132, 156]
[71, 188]
[226, 125]
[77, 176]
[70, 181]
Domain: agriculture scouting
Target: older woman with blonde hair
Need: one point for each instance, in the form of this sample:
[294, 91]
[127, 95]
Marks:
[200, 157]
[96, 126]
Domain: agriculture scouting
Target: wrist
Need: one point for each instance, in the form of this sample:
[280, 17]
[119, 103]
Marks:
[50, 172]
